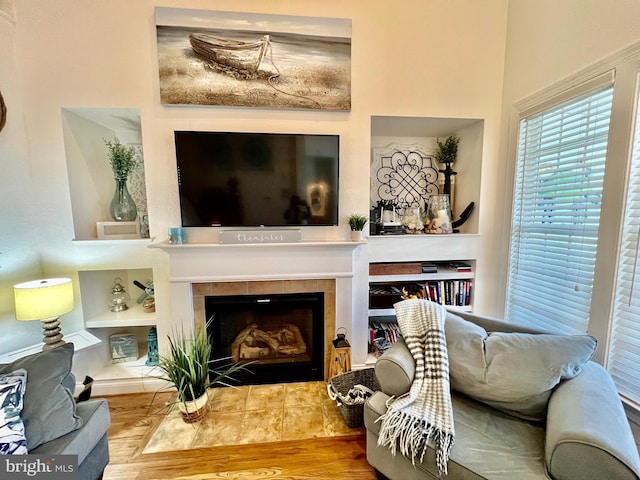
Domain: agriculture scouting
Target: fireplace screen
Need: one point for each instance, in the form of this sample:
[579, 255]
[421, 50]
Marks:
[282, 333]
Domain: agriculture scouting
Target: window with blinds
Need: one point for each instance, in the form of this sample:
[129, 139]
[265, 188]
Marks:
[624, 347]
[557, 198]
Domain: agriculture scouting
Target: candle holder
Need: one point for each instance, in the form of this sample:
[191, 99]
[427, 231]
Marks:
[119, 297]
[438, 215]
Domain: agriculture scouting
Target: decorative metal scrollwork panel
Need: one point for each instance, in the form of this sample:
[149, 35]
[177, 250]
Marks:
[404, 175]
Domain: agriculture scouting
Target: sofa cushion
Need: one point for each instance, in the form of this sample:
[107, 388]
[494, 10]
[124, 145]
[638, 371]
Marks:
[12, 438]
[49, 409]
[82, 441]
[489, 445]
[512, 372]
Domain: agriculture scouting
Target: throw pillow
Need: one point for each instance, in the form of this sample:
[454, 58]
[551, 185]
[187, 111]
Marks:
[12, 387]
[512, 372]
[49, 409]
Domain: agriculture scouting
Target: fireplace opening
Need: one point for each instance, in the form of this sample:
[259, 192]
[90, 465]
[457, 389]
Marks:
[282, 333]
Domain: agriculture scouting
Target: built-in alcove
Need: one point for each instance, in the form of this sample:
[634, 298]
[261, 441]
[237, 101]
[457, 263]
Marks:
[91, 183]
[402, 148]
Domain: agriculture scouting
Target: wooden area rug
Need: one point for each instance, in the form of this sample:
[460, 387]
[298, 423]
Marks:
[255, 414]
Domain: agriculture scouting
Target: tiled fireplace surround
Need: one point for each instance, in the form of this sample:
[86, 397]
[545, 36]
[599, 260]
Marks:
[201, 290]
[199, 270]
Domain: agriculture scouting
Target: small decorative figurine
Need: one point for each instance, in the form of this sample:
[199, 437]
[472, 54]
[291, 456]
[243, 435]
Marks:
[147, 299]
[152, 347]
[119, 297]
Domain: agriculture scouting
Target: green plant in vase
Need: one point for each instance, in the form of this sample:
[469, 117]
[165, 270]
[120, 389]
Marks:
[357, 222]
[447, 150]
[123, 162]
[447, 153]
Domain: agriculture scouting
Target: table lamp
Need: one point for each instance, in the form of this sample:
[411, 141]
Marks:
[45, 300]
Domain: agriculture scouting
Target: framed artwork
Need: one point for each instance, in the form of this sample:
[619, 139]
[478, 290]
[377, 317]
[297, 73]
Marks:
[124, 348]
[253, 60]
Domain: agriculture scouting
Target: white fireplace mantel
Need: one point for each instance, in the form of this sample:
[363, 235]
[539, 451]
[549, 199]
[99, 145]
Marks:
[212, 262]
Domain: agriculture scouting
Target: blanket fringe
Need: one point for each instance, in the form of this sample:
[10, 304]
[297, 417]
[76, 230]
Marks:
[412, 437]
[423, 416]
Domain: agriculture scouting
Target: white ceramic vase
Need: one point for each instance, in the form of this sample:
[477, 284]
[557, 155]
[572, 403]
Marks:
[356, 235]
[194, 410]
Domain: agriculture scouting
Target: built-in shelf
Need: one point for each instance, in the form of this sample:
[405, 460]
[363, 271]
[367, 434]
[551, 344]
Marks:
[449, 286]
[397, 141]
[130, 377]
[128, 369]
[448, 274]
[134, 316]
[385, 312]
[95, 292]
[80, 339]
[196, 245]
[91, 184]
[141, 241]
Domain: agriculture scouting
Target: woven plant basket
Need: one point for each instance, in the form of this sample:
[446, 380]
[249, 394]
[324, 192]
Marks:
[193, 411]
[341, 388]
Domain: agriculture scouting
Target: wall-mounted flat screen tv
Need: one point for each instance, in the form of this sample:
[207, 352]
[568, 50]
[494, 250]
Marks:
[257, 179]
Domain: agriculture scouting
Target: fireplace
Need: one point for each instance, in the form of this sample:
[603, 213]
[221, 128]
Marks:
[283, 334]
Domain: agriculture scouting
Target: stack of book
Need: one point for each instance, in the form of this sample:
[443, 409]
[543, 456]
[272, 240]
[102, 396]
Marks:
[383, 333]
[429, 268]
[460, 266]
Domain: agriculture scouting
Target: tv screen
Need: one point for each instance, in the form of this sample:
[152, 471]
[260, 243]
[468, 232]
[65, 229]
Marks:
[257, 179]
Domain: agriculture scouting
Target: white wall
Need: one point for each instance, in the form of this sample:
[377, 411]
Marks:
[436, 58]
[19, 239]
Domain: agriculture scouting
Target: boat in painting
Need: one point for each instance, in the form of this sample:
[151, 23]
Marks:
[242, 56]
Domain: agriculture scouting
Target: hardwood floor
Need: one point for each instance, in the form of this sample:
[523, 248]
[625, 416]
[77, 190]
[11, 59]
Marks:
[132, 424]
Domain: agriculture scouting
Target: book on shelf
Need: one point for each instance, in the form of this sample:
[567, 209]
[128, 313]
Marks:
[460, 266]
[449, 292]
[383, 333]
[429, 267]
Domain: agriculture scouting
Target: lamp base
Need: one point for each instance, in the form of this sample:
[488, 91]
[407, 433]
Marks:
[52, 333]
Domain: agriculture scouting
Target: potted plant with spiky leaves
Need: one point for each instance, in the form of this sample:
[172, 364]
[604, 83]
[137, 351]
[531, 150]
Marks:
[189, 368]
[357, 223]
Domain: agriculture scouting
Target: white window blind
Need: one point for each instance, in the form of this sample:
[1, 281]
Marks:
[624, 347]
[556, 213]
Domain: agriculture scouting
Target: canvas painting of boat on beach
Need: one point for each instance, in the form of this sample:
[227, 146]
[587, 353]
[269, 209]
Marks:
[253, 60]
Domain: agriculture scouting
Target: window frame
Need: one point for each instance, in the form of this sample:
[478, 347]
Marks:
[624, 66]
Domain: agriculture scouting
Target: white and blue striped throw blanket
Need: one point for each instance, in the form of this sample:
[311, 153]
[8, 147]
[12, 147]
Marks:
[423, 416]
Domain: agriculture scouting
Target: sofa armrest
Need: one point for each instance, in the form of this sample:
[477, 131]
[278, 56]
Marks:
[588, 435]
[395, 369]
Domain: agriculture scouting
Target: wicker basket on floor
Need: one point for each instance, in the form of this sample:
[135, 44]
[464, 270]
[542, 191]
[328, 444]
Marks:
[341, 389]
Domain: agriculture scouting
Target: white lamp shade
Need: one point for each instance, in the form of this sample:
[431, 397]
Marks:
[41, 299]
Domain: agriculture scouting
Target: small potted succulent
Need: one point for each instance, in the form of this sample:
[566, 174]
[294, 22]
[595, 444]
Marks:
[357, 222]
